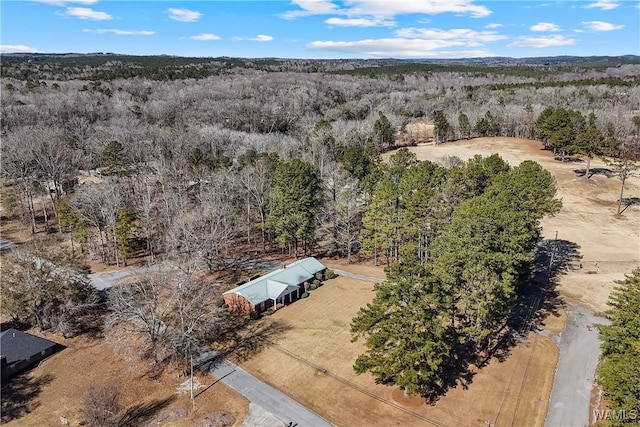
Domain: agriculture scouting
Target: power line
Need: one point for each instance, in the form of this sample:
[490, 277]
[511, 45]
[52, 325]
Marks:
[348, 383]
[526, 325]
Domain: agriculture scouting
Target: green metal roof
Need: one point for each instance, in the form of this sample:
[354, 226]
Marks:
[278, 283]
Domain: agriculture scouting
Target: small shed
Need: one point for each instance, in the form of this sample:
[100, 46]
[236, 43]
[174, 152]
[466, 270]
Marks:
[20, 351]
[282, 286]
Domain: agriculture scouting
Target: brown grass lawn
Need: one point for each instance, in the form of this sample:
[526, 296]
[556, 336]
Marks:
[68, 375]
[513, 392]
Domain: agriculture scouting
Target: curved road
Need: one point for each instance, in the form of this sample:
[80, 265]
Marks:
[570, 403]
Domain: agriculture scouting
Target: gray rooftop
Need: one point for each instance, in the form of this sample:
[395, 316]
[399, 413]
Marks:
[280, 282]
[16, 345]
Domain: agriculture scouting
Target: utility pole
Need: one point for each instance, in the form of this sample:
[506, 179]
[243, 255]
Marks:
[191, 357]
[553, 253]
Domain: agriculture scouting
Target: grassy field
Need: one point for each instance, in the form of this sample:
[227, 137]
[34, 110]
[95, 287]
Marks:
[312, 362]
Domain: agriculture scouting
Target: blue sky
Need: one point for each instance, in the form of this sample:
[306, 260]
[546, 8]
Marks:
[324, 28]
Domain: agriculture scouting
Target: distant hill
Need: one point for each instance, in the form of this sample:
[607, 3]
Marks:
[109, 66]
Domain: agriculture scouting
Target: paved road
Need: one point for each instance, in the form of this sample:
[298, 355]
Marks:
[102, 281]
[274, 401]
[579, 352]
[358, 276]
[6, 245]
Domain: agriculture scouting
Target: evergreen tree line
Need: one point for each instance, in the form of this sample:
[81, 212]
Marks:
[568, 132]
[459, 243]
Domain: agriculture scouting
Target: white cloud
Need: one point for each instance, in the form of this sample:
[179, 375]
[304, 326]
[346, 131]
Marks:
[418, 42]
[205, 37]
[492, 26]
[463, 35]
[386, 8]
[603, 5]
[258, 38]
[544, 26]
[65, 2]
[359, 22]
[311, 7]
[184, 15]
[261, 38]
[17, 48]
[541, 42]
[400, 48]
[405, 7]
[87, 13]
[121, 32]
[601, 26]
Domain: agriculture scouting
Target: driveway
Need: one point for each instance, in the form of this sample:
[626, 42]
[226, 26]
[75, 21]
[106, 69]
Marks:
[277, 403]
[358, 276]
[579, 352]
[6, 245]
[102, 281]
[274, 401]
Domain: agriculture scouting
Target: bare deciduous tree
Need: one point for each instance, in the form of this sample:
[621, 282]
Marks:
[170, 310]
[102, 406]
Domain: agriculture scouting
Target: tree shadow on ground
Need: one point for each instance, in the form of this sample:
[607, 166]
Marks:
[456, 372]
[241, 338]
[568, 159]
[14, 324]
[595, 171]
[629, 201]
[20, 393]
[537, 298]
[140, 413]
[240, 265]
[89, 322]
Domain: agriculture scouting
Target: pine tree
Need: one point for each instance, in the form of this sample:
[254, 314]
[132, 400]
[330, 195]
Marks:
[441, 127]
[619, 372]
[294, 204]
[559, 128]
[467, 238]
[381, 222]
[590, 142]
[424, 210]
[407, 341]
[465, 126]
[383, 131]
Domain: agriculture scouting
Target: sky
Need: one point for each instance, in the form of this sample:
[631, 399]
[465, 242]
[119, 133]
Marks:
[323, 28]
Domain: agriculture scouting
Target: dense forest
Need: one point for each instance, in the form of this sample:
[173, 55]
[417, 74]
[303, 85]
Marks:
[187, 159]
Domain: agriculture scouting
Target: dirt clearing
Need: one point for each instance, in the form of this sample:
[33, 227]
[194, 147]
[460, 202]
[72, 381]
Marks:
[312, 362]
[609, 245]
[59, 385]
